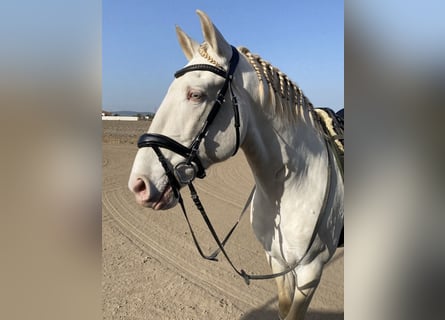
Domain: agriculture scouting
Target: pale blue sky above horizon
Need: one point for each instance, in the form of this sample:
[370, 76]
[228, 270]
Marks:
[304, 39]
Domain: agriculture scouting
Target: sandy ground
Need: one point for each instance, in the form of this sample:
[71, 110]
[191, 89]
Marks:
[151, 268]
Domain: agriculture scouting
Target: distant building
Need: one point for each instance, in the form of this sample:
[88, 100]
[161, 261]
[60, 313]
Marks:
[122, 118]
[126, 115]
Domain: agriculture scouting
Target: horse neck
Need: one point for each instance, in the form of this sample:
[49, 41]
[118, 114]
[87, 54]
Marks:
[284, 156]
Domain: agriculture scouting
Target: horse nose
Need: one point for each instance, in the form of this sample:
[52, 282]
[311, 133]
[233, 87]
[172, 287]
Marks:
[141, 190]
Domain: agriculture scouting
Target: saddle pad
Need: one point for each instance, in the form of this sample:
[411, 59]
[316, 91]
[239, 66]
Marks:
[333, 126]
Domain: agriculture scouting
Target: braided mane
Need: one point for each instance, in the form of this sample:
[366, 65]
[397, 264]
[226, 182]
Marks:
[285, 97]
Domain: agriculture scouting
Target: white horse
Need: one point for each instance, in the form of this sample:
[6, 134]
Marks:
[297, 209]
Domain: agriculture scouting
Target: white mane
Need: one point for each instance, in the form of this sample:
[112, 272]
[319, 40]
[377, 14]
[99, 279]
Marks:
[285, 98]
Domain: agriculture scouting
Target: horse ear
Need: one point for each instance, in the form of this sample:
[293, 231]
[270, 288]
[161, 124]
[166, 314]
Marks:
[213, 37]
[188, 45]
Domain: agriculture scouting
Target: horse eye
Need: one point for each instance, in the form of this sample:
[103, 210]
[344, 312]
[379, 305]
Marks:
[195, 96]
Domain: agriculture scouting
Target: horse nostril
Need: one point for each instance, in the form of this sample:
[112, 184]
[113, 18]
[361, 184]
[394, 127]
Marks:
[139, 186]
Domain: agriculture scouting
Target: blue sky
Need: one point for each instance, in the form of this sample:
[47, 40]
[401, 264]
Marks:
[304, 39]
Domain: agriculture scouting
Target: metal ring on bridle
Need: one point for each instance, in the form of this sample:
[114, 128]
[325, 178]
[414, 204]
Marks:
[185, 172]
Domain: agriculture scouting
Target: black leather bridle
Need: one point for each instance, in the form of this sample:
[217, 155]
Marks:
[186, 171]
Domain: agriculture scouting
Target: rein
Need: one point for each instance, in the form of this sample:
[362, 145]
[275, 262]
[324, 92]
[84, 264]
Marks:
[248, 277]
[185, 172]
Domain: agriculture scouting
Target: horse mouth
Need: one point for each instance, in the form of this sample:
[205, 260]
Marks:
[167, 199]
[149, 197]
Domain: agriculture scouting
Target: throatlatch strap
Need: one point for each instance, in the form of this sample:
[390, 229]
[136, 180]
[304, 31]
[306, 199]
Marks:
[236, 119]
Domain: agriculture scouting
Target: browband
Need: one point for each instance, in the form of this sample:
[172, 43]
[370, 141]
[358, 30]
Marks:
[201, 67]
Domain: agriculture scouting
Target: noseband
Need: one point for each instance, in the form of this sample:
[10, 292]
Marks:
[186, 171]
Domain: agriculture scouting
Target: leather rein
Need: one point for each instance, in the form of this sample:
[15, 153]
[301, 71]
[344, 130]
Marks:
[185, 172]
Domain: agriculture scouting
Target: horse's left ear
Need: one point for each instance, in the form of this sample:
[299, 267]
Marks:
[213, 37]
[188, 45]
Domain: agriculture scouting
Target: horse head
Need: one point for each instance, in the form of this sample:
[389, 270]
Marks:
[193, 127]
